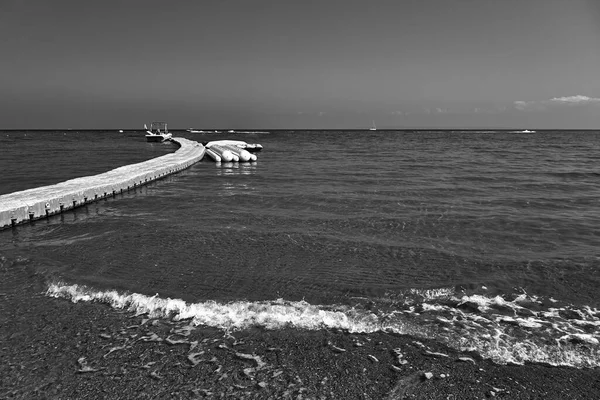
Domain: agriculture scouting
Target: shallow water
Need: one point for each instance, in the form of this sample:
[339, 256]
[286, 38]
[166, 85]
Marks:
[485, 241]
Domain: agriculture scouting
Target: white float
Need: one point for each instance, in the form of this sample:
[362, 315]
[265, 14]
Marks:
[238, 150]
[250, 147]
[225, 154]
[213, 155]
[241, 153]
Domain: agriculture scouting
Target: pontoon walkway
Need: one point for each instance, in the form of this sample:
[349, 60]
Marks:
[29, 205]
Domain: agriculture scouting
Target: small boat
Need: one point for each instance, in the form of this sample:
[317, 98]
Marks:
[373, 127]
[192, 130]
[232, 150]
[253, 147]
[523, 131]
[158, 132]
[249, 147]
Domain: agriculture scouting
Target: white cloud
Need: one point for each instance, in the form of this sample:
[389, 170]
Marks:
[522, 105]
[452, 111]
[579, 99]
[556, 101]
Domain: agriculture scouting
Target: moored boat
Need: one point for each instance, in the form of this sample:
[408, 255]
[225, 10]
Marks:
[250, 147]
[158, 132]
[232, 150]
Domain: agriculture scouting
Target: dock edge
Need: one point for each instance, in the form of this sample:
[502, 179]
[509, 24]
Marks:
[37, 203]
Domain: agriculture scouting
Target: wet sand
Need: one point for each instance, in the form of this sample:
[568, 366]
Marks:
[54, 349]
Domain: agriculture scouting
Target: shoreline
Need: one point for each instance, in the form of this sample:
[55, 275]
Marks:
[52, 348]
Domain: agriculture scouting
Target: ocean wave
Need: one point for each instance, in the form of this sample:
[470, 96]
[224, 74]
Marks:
[235, 315]
[515, 330]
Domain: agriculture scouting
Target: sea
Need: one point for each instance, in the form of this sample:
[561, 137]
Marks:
[486, 241]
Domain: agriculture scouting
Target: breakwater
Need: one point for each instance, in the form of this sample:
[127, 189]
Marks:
[32, 204]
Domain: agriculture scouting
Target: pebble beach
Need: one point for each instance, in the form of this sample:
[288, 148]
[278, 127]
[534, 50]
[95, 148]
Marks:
[62, 350]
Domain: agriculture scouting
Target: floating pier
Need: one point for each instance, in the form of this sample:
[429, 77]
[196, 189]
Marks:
[32, 204]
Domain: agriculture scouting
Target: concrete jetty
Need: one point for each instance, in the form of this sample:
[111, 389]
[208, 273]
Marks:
[32, 204]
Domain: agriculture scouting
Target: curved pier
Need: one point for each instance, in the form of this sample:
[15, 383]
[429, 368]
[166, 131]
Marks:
[32, 204]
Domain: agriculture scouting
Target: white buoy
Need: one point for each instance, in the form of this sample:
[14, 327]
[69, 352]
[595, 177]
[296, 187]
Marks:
[213, 155]
[225, 154]
[243, 155]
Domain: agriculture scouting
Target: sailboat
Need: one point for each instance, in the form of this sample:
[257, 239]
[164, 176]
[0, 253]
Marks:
[373, 127]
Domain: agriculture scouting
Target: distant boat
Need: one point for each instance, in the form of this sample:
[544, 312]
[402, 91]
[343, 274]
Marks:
[120, 130]
[373, 127]
[524, 131]
[158, 132]
[192, 130]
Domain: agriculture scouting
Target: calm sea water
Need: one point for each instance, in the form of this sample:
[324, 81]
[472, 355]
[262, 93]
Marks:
[486, 241]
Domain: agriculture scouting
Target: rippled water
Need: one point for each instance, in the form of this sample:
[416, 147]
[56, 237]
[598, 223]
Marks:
[483, 240]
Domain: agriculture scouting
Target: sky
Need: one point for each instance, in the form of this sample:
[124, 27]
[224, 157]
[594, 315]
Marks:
[301, 64]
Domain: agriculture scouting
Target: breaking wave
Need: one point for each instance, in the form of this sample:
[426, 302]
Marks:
[518, 330]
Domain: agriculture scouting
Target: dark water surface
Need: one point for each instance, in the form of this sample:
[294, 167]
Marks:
[483, 240]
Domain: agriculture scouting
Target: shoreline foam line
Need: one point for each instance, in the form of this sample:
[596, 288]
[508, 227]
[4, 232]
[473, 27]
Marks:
[33, 204]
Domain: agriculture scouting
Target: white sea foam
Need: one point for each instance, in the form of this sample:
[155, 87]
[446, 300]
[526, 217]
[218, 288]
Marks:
[234, 315]
[590, 339]
[484, 303]
[557, 336]
[432, 294]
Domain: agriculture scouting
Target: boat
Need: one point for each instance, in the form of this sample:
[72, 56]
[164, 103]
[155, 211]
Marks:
[192, 130]
[249, 147]
[253, 147]
[523, 131]
[158, 132]
[232, 150]
[373, 127]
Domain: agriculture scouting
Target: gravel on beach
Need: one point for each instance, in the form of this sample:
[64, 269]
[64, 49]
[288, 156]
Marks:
[54, 349]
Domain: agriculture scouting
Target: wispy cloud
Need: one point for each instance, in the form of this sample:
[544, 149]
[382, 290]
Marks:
[452, 111]
[556, 101]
